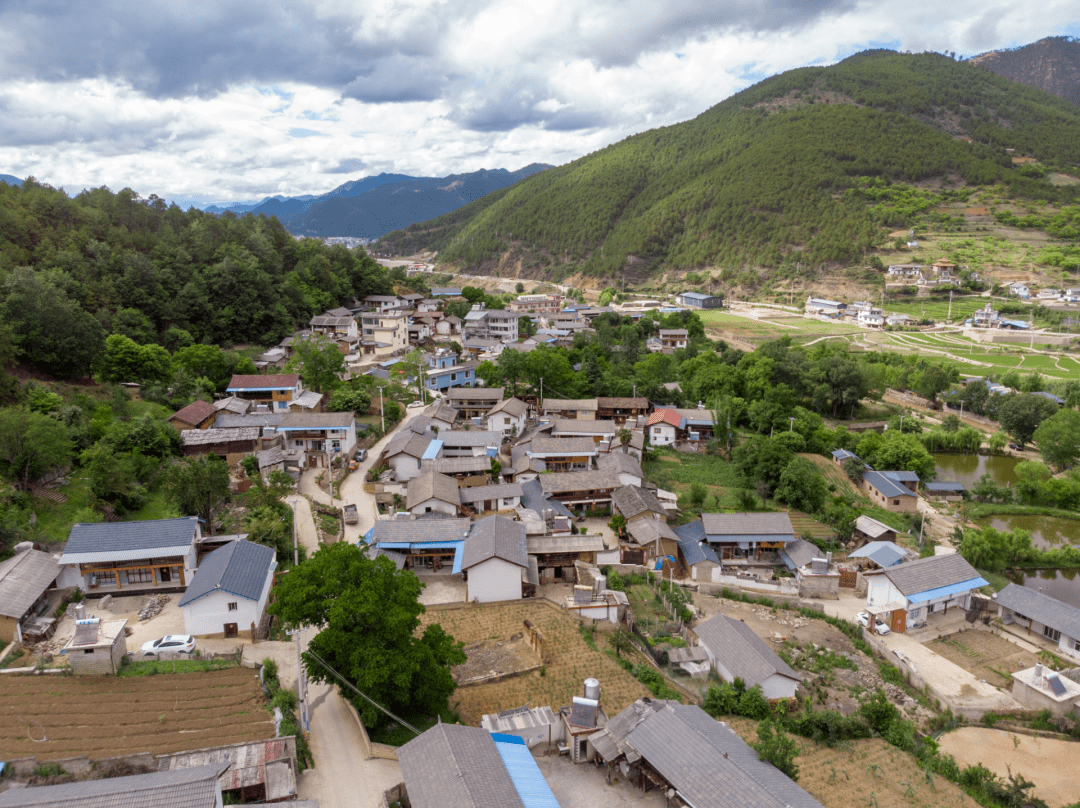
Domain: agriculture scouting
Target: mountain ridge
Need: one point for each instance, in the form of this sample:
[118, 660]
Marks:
[1052, 64]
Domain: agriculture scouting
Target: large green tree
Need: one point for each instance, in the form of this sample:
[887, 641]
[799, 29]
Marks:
[319, 362]
[368, 613]
[802, 486]
[31, 444]
[1058, 438]
[198, 486]
[1020, 415]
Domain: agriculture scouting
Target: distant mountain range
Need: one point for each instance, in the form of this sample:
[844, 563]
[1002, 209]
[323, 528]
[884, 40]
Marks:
[10, 180]
[1051, 64]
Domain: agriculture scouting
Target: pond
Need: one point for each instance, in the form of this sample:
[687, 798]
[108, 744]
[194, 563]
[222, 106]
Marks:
[1061, 584]
[968, 468]
[1046, 531]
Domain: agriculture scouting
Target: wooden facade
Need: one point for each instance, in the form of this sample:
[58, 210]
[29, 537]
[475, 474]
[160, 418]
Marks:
[152, 572]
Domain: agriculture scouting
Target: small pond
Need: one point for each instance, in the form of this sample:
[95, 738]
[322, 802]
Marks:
[1061, 584]
[968, 468]
[1046, 531]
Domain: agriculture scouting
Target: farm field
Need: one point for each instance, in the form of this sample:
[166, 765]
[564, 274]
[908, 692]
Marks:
[866, 772]
[834, 474]
[568, 660]
[984, 654]
[803, 523]
[101, 716]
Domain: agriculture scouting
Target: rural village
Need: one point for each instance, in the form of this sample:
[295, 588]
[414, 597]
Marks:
[607, 618]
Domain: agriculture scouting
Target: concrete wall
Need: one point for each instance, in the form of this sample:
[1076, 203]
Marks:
[664, 437]
[208, 615]
[405, 467]
[819, 586]
[1034, 699]
[494, 579]
[779, 687]
[434, 505]
[98, 661]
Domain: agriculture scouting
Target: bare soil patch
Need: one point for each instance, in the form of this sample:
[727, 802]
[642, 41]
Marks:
[1049, 763]
[567, 659]
[495, 658]
[100, 716]
[985, 655]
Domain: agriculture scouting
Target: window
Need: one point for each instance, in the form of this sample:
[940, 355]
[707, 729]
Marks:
[232, 607]
[896, 502]
[1076, 645]
[1051, 633]
[140, 576]
[1019, 616]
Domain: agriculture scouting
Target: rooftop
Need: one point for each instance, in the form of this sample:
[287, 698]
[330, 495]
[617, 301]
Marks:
[239, 568]
[632, 500]
[937, 572]
[195, 787]
[571, 481]
[479, 493]
[1042, 608]
[272, 381]
[123, 541]
[317, 420]
[432, 485]
[393, 531]
[886, 486]
[745, 654]
[495, 537]
[760, 526]
[194, 413]
[23, 579]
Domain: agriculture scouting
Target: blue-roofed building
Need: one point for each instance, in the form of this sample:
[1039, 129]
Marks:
[488, 769]
[228, 595]
[421, 544]
[892, 490]
[908, 594]
[700, 300]
[1051, 397]
[881, 553]
[827, 308]
[107, 557]
[695, 553]
[839, 456]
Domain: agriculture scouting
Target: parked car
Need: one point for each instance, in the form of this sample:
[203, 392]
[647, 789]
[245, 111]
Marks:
[170, 644]
[415, 404]
[880, 627]
[360, 456]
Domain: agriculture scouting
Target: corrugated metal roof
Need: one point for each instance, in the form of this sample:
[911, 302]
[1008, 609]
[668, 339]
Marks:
[872, 527]
[432, 450]
[23, 579]
[882, 553]
[196, 787]
[944, 591]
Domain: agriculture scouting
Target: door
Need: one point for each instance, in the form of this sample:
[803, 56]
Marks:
[166, 575]
[899, 621]
[231, 631]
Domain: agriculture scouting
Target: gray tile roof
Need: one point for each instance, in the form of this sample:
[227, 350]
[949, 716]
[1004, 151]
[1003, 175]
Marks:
[741, 651]
[759, 526]
[567, 404]
[470, 438]
[458, 465]
[410, 530]
[902, 476]
[621, 463]
[646, 531]
[1041, 608]
[944, 485]
[534, 498]
[622, 403]
[196, 787]
[452, 766]
[886, 486]
[270, 381]
[539, 545]
[564, 426]
[632, 500]
[213, 436]
[511, 406]
[935, 572]
[799, 553]
[259, 419]
[239, 568]
[545, 444]
[233, 404]
[498, 491]
[882, 553]
[129, 540]
[432, 485]
[579, 481]
[317, 420]
[23, 578]
[495, 537]
[692, 542]
[492, 394]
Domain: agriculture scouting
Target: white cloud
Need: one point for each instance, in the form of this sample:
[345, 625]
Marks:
[244, 99]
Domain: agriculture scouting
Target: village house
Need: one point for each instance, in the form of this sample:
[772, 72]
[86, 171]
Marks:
[440, 415]
[430, 306]
[486, 499]
[1038, 615]
[905, 272]
[633, 503]
[97, 648]
[827, 308]
[383, 333]
[473, 348]
[583, 490]
[748, 535]
[667, 426]
[444, 371]
[580, 409]
[382, 303]
[621, 409]
[341, 329]
[944, 491]
[470, 443]
[121, 557]
[27, 589]
[563, 454]
[672, 339]
[420, 329]
[318, 437]
[196, 787]
[907, 594]
[892, 490]
[986, 317]
[433, 492]
[1040, 688]
[196, 415]
[599, 431]
[231, 444]
[495, 561]
[1019, 289]
[898, 320]
[468, 471]
[491, 324]
[406, 450]
[652, 537]
[447, 327]
[233, 405]
[700, 300]
[228, 594]
[868, 529]
[625, 465]
[473, 402]
[536, 304]
[696, 554]
[841, 456]
[274, 391]
[880, 554]
[509, 417]
[736, 652]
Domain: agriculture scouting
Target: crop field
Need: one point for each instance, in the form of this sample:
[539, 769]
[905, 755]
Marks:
[834, 474]
[568, 660]
[936, 309]
[866, 773]
[50, 717]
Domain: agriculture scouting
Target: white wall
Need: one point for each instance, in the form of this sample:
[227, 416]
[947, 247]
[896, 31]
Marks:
[210, 613]
[494, 579]
[405, 467]
[779, 687]
[434, 505]
[69, 576]
[629, 479]
[880, 591]
[665, 436]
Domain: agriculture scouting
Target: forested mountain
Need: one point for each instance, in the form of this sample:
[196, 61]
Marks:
[1051, 64]
[10, 180]
[75, 270]
[799, 167]
[394, 205]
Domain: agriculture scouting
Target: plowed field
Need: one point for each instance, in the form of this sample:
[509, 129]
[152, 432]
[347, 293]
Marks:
[101, 716]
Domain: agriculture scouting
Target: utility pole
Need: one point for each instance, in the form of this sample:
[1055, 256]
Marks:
[950, 304]
[382, 417]
[541, 391]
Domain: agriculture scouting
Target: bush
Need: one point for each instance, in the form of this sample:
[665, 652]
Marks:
[285, 700]
[752, 704]
[776, 747]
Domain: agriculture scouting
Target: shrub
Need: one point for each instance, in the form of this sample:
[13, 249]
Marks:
[48, 770]
[776, 747]
[285, 700]
[752, 704]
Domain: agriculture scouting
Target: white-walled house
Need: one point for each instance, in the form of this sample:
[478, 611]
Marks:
[909, 593]
[229, 592]
[432, 492]
[508, 417]
[1040, 615]
[315, 437]
[495, 559]
[736, 652]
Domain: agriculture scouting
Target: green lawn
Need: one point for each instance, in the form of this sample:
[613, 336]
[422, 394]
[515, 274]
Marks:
[962, 307]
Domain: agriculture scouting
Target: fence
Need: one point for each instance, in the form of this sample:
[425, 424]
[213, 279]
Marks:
[786, 587]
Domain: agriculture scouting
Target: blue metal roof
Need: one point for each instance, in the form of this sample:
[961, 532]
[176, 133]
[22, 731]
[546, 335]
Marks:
[944, 591]
[882, 553]
[435, 545]
[528, 781]
[393, 545]
[697, 295]
[945, 485]
[432, 450]
[458, 553]
[1015, 323]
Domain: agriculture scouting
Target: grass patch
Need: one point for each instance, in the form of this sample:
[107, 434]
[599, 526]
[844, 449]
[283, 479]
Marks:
[394, 734]
[152, 667]
[997, 583]
[156, 507]
[16, 659]
[666, 466]
[980, 509]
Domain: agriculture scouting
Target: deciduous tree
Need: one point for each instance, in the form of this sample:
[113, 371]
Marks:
[198, 486]
[31, 444]
[1058, 438]
[1020, 415]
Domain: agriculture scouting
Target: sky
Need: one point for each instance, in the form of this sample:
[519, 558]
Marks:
[243, 99]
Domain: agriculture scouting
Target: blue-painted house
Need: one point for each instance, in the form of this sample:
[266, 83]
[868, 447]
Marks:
[444, 371]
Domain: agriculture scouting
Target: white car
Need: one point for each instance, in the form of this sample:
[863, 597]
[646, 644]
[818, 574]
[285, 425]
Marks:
[880, 627]
[170, 644]
[415, 404]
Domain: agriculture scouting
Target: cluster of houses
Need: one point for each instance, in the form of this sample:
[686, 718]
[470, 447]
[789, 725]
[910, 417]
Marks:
[1022, 290]
[942, 272]
[861, 313]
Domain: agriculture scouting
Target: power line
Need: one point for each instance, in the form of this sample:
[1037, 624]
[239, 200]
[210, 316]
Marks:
[364, 696]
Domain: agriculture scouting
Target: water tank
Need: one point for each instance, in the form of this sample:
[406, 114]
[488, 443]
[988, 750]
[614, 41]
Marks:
[80, 611]
[592, 689]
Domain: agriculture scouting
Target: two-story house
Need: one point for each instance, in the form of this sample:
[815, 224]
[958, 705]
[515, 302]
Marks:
[314, 438]
[275, 391]
[509, 417]
[382, 303]
[445, 371]
[491, 324]
[536, 304]
[673, 338]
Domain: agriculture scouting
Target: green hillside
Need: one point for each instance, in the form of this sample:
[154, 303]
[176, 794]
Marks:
[815, 165]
